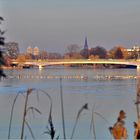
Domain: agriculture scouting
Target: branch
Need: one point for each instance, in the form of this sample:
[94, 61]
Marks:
[33, 108]
[30, 130]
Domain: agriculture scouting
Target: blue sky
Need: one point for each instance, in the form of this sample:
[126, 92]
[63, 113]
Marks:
[55, 24]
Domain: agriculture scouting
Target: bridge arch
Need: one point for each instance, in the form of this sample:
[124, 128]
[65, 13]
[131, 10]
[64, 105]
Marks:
[42, 63]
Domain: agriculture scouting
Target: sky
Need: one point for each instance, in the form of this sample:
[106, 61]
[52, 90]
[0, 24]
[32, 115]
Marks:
[55, 24]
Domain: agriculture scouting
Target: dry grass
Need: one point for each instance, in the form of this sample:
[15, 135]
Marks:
[50, 129]
[26, 110]
[84, 107]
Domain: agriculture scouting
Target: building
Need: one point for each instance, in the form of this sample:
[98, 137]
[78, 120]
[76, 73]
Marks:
[134, 52]
[36, 51]
[135, 48]
[29, 50]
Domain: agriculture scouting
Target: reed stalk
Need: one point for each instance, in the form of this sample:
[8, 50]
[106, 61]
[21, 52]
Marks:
[84, 107]
[26, 110]
[138, 93]
[49, 97]
[50, 129]
[92, 124]
[62, 109]
[11, 115]
[24, 114]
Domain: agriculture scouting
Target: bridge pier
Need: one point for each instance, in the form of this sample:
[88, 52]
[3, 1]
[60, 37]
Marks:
[138, 67]
[40, 67]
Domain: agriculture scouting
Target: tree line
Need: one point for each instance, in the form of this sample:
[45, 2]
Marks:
[73, 51]
[99, 52]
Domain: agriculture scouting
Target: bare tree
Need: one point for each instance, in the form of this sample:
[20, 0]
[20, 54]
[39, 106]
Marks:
[73, 50]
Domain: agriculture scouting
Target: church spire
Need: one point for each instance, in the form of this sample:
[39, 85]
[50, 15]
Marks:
[86, 44]
[85, 50]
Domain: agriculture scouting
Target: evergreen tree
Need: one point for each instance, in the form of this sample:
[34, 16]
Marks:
[2, 39]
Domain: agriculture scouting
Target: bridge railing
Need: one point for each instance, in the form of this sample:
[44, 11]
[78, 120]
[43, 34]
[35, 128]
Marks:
[79, 60]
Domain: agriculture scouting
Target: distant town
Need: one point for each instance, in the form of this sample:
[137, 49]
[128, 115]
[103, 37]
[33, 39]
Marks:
[12, 52]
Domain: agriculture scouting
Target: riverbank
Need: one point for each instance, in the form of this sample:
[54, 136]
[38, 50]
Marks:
[10, 67]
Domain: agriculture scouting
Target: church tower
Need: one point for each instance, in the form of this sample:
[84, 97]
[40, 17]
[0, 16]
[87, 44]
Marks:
[85, 51]
[86, 44]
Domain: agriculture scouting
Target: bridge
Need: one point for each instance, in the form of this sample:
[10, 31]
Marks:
[49, 62]
[41, 63]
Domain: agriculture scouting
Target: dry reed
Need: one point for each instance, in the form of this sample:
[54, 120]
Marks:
[84, 107]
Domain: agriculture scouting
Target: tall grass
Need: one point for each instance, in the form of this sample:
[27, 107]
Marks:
[92, 124]
[138, 93]
[50, 127]
[26, 110]
[62, 109]
[11, 116]
[84, 107]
